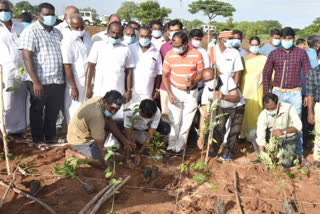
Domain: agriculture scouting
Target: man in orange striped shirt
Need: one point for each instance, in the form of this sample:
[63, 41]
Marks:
[185, 66]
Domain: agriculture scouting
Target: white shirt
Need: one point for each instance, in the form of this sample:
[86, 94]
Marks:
[229, 61]
[158, 42]
[142, 123]
[228, 84]
[63, 27]
[111, 62]
[99, 36]
[205, 57]
[148, 66]
[10, 55]
[75, 52]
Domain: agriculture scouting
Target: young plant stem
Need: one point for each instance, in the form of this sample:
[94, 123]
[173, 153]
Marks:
[10, 184]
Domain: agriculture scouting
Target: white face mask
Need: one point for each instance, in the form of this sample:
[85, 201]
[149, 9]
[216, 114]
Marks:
[171, 35]
[212, 84]
[196, 43]
[78, 34]
[156, 33]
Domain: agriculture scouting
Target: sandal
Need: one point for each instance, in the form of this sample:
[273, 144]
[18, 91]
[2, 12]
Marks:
[42, 146]
[306, 163]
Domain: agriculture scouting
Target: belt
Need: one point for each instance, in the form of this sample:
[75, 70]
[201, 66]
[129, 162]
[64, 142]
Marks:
[191, 89]
[287, 89]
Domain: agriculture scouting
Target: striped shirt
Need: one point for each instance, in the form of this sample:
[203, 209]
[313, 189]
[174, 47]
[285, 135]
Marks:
[46, 52]
[179, 67]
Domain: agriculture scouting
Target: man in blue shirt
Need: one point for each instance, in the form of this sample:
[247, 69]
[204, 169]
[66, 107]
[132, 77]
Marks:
[273, 44]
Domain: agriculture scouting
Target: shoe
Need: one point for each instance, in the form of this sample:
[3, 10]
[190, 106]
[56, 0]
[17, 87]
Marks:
[226, 158]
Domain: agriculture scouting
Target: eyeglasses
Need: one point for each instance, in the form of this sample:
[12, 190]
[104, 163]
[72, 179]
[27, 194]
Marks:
[4, 10]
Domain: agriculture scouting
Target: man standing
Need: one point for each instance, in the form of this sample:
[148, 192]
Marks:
[274, 43]
[103, 35]
[296, 61]
[111, 64]
[182, 68]
[40, 44]
[129, 36]
[148, 70]
[157, 38]
[236, 42]
[64, 26]
[196, 36]
[75, 49]
[11, 60]
[174, 26]
[135, 25]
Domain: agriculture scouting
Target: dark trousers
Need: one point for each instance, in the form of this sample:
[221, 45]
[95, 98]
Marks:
[236, 117]
[306, 126]
[44, 111]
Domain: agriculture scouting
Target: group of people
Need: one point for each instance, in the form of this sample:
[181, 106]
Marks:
[122, 85]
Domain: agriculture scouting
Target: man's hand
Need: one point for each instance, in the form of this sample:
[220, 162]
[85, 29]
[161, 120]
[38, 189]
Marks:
[172, 99]
[311, 119]
[89, 93]
[130, 145]
[305, 101]
[128, 96]
[138, 159]
[277, 132]
[75, 94]
[156, 95]
[218, 95]
[37, 89]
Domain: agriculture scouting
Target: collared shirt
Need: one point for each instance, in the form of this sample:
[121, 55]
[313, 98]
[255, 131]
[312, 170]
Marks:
[148, 66]
[158, 42]
[111, 62]
[312, 54]
[99, 36]
[88, 123]
[287, 117]
[141, 123]
[296, 61]
[266, 49]
[190, 64]
[75, 51]
[313, 86]
[165, 48]
[229, 61]
[62, 27]
[10, 56]
[45, 48]
[204, 54]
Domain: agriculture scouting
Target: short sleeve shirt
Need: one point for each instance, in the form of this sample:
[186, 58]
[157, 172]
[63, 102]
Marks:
[88, 123]
[142, 124]
[229, 61]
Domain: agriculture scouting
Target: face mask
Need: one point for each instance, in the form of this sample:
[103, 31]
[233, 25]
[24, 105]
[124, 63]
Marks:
[254, 49]
[25, 24]
[212, 84]
[196, 43]
[287, 44]
[77, 34]
[272, 113]
[178, 50]
[5, 16]
[319, 61]
[236, 43]
[129, 40]
[114, 41]
[276, 42]
[144, 42]
[156, 33]
[228, 43]
[49, 20]
[214, 41]
[107, 113]
[171, 35]
[136, 32]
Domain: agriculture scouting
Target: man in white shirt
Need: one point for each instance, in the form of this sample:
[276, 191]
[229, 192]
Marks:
[10, 58]
[129, 36]
[236, 42]
[110, 63]
[147, 122]
[157, 38]
[75, 49]
[231, 106]
[148, 70]
[103, 35]
[64, 26]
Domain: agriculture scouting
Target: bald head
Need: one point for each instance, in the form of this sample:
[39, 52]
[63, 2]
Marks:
[76, 22]
[70, 10]
[114, 18]
[207, 74]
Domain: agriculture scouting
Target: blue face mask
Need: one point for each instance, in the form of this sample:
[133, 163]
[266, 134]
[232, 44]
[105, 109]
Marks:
[49, 20]
[144, 42]
[136, 32]
[5, 16]
[272, 113]
[228, 43]
[236, 43]
[178, 50]
[114, 41]
[276, 42]
[287, 44]
[214, 41]
[156, 33]
[25, 24]
[254, 49]
[107, 113]
[129, 40]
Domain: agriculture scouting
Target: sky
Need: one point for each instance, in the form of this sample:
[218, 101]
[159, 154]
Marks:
[293, 13]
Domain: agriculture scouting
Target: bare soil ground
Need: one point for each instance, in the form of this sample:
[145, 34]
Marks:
[260, 190]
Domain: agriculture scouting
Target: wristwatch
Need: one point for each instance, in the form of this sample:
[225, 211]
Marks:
[157, 90]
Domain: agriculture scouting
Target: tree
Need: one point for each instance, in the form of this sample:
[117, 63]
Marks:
[150, 10]
[23, 6]
[194, 24]
[212, 8]
[93, 11]
[127, 9]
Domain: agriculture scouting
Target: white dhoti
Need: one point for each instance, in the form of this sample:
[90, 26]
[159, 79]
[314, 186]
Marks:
[71, 106]
[181, 115]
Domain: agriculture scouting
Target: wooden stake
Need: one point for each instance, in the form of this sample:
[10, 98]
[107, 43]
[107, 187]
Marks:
[30, 197]
[236, 181]
[10, 184]
[3, 128]
[107, 195]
